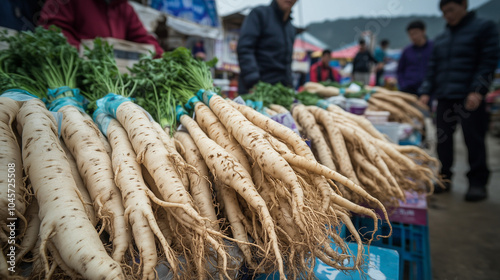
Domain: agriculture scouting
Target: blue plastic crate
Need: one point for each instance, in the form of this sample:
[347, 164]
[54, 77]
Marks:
[380, 264]
[415, 139]
[246, 274]
[411, 242]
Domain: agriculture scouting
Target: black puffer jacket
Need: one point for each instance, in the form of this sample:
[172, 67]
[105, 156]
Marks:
[463, 60]
[265, 48]
[362, 62]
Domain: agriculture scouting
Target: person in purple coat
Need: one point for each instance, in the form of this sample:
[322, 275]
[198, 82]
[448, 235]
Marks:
[413, 62]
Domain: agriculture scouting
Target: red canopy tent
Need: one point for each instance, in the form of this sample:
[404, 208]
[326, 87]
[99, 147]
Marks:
[348, 52]
[300, 44]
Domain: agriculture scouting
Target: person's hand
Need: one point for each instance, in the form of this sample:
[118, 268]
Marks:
[200, 55]
[424, 99]
[473, 101]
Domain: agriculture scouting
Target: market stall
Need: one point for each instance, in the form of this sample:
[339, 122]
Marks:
[154, 174]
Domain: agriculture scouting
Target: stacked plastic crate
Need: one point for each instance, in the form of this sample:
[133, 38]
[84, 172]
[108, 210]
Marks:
[410, 236]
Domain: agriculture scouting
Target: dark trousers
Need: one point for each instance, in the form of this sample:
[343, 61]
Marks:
[378, 77]
[474, 126]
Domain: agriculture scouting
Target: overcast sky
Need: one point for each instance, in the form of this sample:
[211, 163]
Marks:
[308, 11]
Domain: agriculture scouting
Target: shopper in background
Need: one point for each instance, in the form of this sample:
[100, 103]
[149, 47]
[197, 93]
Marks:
[412, 65]
[322, 71]
[362, 64]
[460, 72]
[198, 50]
[381, 57]
[88, 19]
[265, 46]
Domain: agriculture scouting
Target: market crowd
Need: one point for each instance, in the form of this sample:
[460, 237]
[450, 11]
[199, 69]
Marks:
[456, 69]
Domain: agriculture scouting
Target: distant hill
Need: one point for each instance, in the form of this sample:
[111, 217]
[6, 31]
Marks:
[344, 31]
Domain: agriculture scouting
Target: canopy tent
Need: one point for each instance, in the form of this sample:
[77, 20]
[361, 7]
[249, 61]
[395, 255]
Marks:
[348, 51]
[305, 46]
[307, 42]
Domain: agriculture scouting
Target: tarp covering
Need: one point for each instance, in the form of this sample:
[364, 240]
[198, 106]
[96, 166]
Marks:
[348, 51]
[150, 16]
[203, 12]
[305, 46]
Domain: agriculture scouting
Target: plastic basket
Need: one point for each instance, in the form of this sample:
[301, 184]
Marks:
[411, 242]
[391, 129]
[377, 117]
[415, 139]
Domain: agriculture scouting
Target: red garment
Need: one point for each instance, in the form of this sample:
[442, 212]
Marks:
[325, 73]
[87, 19]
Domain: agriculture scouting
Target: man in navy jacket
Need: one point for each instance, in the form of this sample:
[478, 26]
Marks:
[459, 75]
[413, 62]
[265, 46]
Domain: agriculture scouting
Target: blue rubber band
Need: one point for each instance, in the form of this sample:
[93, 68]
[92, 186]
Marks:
[59, 117]
[323, 104]
[102, 120]
[111, 102]
[64, 96]
[205, 96]
[57, 104]
[191, 102]
[250, 104]
[179, 112]
[18, 94]
[259, 106]
[199, 94]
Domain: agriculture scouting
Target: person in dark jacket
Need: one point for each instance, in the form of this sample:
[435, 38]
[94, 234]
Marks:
[380, 55]
[88, 19]
[460, 72]
[362, 63]
[322, 71]
[265, 46]
[412, 65]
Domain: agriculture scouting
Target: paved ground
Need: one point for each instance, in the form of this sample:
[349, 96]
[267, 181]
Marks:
[464, 236]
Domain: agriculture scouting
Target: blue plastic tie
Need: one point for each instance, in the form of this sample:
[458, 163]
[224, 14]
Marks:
[59, 117]
[57, 104]
[58, 100]
[259, 106]
[205, 96]
[191, 102]
[111, 102]
[18, 94]
[56, 92]
[323, 104]
[102, 120]
[179, 112]
[199, 94]
[250, 104]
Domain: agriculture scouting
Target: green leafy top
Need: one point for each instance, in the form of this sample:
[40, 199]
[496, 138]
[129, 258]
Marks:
[101, 74]
[155, 78]
[40, 60]
[170, 81]
[192, 75]
[307, 98]
[272, 94]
